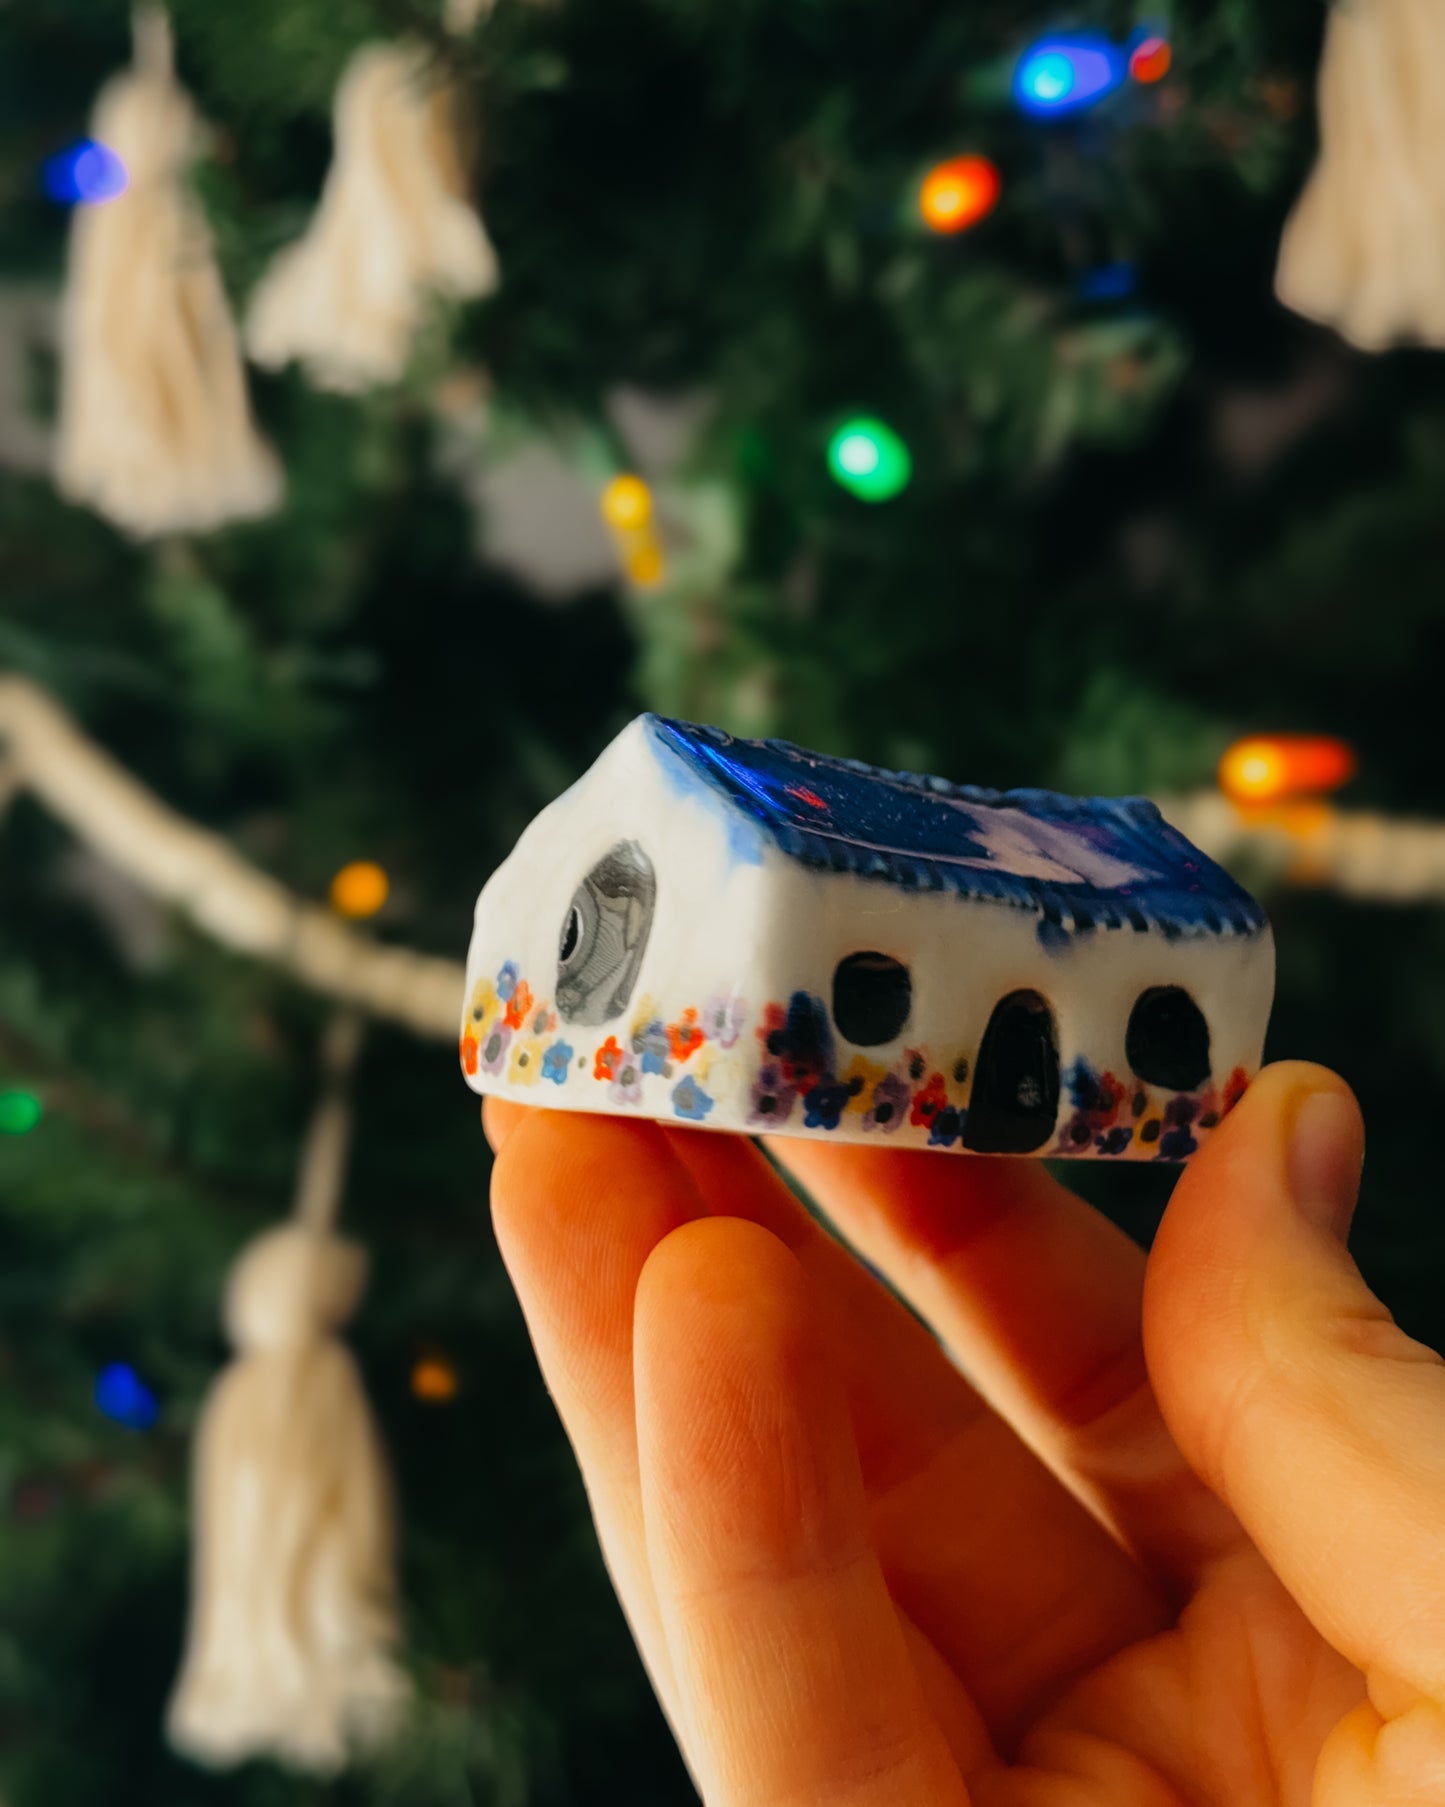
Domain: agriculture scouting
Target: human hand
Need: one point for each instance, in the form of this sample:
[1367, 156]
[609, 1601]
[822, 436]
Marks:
[1180, 1537]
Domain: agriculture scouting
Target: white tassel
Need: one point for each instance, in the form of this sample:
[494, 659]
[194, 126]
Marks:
[155, 428]
[393, 228]
[1364, 250]
[293, 1610]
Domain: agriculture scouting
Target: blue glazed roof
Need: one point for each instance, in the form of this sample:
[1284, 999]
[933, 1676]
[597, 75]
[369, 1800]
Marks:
[1078, 862]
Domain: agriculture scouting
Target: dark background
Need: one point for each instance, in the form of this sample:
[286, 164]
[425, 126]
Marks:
[1138, 527]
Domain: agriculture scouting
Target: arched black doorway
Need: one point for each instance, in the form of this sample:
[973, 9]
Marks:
[1015, 1101]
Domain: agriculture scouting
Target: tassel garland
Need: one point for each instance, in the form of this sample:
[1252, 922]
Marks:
[1364, 250]
[155, 429]
[393, 228]
[293, 1612]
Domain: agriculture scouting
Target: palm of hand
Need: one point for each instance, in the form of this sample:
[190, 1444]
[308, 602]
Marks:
[857, 1577]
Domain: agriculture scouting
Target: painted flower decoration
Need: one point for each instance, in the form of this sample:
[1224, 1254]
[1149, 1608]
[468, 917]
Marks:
[1096, 1096]
[469, 1053]
[689, 1100]
[626, 1088]
[483, 1000]
[652, 1043]
[543, 1023]
[722, 1018]
[519, 1005]
[1234, 1088]
[861, 1078]
[928, 1103]
[772, 1097]
[1177, 1141]
[1076, 1134]
[608, 1059]
[493, 1050]
[685, 1036]
[947, 1127]
[557, 1063]
[824, 1104]
[525, 1067]
[888, 1106]
[1116, 1140]
[507, 980]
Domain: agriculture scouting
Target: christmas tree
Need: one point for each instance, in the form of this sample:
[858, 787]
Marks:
[842, 375]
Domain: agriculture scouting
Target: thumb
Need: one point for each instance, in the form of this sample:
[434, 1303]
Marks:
[1290, 1388]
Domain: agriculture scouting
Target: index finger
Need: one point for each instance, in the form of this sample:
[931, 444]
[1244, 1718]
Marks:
[1039, 1298]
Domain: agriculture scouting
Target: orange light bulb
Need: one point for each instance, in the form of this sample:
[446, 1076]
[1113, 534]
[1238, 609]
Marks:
[627, 504]
[957, 194]
[359, 889]
[1270, 767]
[434, 1380]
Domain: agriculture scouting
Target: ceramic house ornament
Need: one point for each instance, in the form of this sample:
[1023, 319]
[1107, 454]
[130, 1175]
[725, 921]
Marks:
[747, 936]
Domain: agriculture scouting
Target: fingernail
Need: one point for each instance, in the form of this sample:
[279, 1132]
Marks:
[1326, 1153]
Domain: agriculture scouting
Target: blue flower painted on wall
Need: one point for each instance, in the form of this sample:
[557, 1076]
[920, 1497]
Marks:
[651, 1043]
[689, 1100]
[557, 1063]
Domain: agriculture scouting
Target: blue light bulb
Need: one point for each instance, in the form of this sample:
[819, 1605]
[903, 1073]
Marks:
[1067, 73]
[86, 171]
[1050, 78]
[1108, 282]
[123, 1396]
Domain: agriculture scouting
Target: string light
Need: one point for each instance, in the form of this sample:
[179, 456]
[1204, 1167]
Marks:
[1150, 59]
[122, 1396]
[957, 194]
[434, 1380]
[1107, 282]
[19, 1113]
[359, 889]
[1060, 75]
[87, 172]
[869, 459]
[1268, 768]
[645, 565]
[627, 503]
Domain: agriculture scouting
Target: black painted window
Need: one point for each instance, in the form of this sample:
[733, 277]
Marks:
[1014, 1104]
[1168, 1040]
[872, 998]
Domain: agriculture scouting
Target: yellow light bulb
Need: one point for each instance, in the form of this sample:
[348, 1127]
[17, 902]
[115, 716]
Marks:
[359, 889]
[627, 504]
[645, 564]
[1255, 772]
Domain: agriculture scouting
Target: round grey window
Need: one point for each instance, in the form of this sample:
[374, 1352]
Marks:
[604, 936]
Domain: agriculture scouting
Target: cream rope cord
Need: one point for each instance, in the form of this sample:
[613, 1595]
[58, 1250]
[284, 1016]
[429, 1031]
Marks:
[44, 751]
[202, 874]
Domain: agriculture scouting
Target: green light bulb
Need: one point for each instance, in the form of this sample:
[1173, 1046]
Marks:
[19, 1113]
[869, 459]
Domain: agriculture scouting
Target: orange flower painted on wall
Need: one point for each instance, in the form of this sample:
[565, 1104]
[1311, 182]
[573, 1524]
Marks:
[685, 1037]
[519, 1004]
